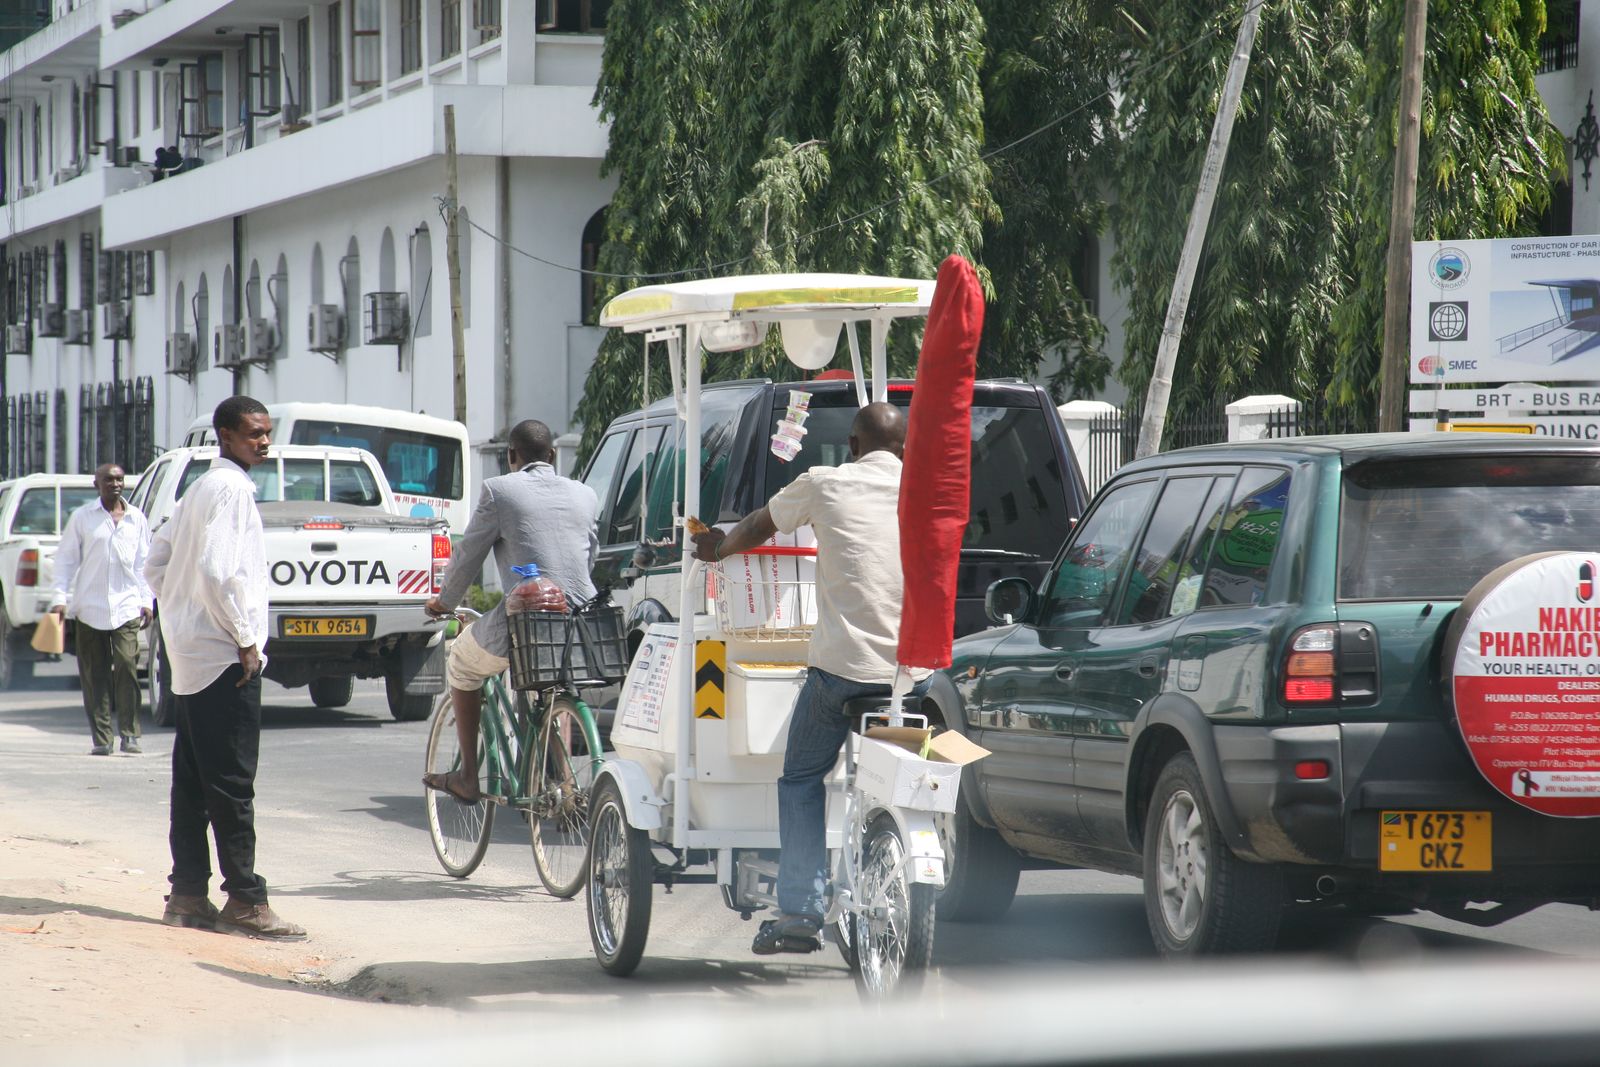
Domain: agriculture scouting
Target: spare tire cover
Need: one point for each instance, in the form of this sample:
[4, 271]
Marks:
[1521, 660]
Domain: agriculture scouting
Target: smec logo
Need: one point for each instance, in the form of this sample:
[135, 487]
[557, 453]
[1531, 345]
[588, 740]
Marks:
[331, 572]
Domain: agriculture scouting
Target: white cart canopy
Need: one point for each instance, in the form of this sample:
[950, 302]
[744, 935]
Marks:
[839, 297]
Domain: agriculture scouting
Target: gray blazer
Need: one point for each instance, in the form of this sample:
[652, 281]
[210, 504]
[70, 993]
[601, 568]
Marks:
[529, 516]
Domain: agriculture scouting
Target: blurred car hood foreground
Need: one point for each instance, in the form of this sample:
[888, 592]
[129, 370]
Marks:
[1464, 1010]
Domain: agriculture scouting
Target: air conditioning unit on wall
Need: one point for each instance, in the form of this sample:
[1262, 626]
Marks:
[19, 340]
[325, 329]
[385, 318]
[117, 321]
[260, 340]
[80, 327]
[182, 354]
[52, 320]
[227, 345]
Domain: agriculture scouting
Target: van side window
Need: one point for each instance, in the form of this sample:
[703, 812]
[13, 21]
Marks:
[191, 474]
[1151, 581]
[624, 525]
[1092, 566]
[602, 472]
[1248, 539]
[1186, 590]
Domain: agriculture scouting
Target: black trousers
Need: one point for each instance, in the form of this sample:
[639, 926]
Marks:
[214, 784]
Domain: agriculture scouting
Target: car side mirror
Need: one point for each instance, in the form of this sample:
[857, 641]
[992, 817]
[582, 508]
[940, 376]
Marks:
[1009, 600]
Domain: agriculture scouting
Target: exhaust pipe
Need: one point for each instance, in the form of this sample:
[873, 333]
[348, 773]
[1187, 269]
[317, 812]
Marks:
[1328, 886]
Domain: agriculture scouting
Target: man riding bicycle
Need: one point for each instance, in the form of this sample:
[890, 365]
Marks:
[532, 515]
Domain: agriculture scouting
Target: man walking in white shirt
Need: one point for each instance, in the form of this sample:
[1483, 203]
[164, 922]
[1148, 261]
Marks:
[100, 584]
[208, 566]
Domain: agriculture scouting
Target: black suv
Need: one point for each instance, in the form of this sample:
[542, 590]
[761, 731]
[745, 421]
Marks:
[1026, 487]
[1230, 683]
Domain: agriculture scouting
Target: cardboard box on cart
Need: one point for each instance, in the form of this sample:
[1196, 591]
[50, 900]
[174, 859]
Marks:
[904, 767]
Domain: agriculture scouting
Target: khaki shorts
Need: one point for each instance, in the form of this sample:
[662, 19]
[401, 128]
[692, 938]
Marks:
[470, 664]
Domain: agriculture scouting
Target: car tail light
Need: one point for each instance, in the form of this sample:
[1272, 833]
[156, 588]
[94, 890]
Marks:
[1311, 666]
[1312, 770]
[441, 559]
[28, 567]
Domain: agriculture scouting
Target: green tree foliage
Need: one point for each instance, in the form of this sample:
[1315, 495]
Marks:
[1264, 295]
[1487, 158]
[1047, 113]
[765, 135]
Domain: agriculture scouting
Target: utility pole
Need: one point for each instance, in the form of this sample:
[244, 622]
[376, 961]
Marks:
[1159, 392]
[452, 249]
[1402, 223]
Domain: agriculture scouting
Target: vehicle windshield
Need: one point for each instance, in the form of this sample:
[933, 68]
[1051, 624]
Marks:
[1018, 504]
[424, 464]
[1428, 530]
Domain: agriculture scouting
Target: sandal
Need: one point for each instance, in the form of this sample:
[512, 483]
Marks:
[441, 783]
[787, 933]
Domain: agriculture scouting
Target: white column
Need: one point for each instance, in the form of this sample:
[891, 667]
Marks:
[1077, 417]
[1248, 416]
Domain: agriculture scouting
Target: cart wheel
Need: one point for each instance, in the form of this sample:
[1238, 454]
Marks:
[893, 935]
[620, 882]
[460, 831]
[847, 946]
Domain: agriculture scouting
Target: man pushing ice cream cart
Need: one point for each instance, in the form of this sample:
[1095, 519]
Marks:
[788, 639]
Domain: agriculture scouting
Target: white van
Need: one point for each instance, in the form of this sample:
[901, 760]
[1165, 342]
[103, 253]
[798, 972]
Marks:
[425, 458]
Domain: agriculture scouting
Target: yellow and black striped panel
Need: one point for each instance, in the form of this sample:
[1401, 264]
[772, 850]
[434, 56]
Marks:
[710, 680]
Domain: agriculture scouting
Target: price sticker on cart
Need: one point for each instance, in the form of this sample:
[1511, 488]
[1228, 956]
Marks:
[645, 693]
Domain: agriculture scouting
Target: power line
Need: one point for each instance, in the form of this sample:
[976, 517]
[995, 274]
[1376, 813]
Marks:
[445, 205]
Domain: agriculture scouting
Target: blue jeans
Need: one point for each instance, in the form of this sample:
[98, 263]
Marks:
[817, 731]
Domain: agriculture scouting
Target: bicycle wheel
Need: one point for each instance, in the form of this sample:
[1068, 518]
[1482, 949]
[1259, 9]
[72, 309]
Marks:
[563, 780]
[893, 936]
[621, 878]
[460, 831]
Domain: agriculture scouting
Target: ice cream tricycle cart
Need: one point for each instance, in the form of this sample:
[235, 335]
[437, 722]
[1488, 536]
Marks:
[690, 793]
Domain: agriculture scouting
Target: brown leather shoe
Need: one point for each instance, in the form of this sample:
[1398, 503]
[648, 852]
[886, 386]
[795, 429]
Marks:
[257, 920]
[195, 913]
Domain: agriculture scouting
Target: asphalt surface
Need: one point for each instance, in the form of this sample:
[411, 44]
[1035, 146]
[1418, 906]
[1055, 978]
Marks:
[343, 842]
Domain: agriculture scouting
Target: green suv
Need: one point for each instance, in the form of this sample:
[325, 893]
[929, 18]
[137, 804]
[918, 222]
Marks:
[1230, 679]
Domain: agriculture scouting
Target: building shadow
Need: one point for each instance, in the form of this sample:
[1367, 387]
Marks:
[44, 906]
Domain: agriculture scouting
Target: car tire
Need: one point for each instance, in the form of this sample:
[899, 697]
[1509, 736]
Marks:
[15, 669]
[403, 705]
[1200, 899]
[158, 681]
[334, 692]
[980, 869]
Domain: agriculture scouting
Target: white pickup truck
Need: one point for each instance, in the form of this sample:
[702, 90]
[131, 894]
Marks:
[33, 509]
[348, 577]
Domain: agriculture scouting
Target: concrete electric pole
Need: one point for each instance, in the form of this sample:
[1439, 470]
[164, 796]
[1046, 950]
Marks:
[1159, 392]
[452, 248]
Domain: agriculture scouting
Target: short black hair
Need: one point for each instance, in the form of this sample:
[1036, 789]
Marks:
[232, 411]
[532, 440]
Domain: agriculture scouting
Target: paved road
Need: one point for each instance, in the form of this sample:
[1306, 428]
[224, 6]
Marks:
[344, 843]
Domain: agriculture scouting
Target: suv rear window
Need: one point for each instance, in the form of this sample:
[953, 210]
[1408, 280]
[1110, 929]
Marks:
[1428, 529]
[1018, 504]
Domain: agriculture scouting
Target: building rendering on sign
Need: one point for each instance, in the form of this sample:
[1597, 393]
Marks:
[209, 196]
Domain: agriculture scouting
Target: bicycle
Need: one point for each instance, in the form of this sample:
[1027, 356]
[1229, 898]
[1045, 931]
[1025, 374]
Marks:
[538, 753]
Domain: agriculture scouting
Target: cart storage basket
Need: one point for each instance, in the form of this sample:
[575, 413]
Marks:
[551, 648]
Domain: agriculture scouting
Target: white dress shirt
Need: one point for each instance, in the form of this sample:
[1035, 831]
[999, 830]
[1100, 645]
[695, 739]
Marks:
[100, 566]
[214, 600]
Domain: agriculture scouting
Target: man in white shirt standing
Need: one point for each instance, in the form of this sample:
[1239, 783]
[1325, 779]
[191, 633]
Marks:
[855, 513]
[208, 566]
[100, 584]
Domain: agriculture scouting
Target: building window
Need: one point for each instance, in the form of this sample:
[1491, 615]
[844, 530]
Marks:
[335, 87]
[137, 107]
[572, 16]
[589, 258]
[449, 28]
[211, 112]
[410, 35]
[1558, 48]
[422, 282]
[38, 139]
[366, 44]
[77, 123]
[486, 19]
[89, 115]
[265, 72]
[302, 77]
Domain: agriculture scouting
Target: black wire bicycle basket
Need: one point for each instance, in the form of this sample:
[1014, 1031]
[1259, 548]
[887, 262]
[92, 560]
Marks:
[549, 648]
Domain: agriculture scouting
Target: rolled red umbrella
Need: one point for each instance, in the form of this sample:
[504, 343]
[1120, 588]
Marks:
[936, 484]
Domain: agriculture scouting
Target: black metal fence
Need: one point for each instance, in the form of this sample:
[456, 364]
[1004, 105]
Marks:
[1114, 438]
[27, 417]
[116, 424]
[1315, 417]
[1558, 48]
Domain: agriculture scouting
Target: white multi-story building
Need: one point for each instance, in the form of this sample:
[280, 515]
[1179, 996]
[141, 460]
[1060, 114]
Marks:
[291, 244]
